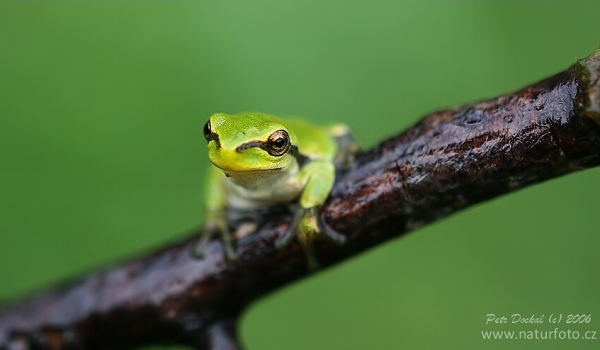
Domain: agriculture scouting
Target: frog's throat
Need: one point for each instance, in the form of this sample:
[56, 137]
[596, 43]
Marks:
[259, 179]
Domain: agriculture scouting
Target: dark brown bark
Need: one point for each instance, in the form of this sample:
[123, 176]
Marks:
[450, 160]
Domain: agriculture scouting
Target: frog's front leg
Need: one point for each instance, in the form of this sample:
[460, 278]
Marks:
[319, 177]
[215, 222]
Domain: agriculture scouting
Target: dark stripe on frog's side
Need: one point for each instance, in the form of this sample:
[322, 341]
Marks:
[300, 158]
[214, 137]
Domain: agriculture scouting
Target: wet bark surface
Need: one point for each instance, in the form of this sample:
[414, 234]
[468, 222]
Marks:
[450, 160]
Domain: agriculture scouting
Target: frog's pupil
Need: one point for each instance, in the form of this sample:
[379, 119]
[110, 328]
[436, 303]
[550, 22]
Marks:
[280, 142]
[207, 131]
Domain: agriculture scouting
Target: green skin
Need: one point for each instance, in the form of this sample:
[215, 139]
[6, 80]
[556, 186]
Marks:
[251, 171]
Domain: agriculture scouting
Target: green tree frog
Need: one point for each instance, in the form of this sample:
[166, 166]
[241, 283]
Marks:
[261, 160]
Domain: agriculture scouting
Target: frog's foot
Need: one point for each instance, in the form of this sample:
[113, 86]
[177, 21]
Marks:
[308, 226]
[308, 223]
[212, 228]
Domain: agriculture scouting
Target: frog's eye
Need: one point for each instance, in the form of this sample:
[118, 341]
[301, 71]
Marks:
[207, 131]
[278, 143]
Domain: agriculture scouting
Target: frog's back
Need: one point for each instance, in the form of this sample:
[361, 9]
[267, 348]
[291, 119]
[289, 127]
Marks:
[314, 141]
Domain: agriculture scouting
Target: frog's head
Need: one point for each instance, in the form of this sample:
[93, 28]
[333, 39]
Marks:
[249, 142]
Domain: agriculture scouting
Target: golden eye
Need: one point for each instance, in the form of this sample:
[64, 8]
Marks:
[278, 143]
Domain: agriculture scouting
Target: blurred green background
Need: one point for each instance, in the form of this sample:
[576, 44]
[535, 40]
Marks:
[102, 155]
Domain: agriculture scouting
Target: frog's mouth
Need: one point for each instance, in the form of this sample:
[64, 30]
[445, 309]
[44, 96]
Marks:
[237, 173]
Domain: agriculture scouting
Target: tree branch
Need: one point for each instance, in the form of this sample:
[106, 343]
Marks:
[450, 160]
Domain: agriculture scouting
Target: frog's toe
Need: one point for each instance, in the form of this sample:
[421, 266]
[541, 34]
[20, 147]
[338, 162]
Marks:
[285, 239]
[292, 230]
[201, 247]
[331, 233]
[199, 250]
[227, 241]
[228, 245]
